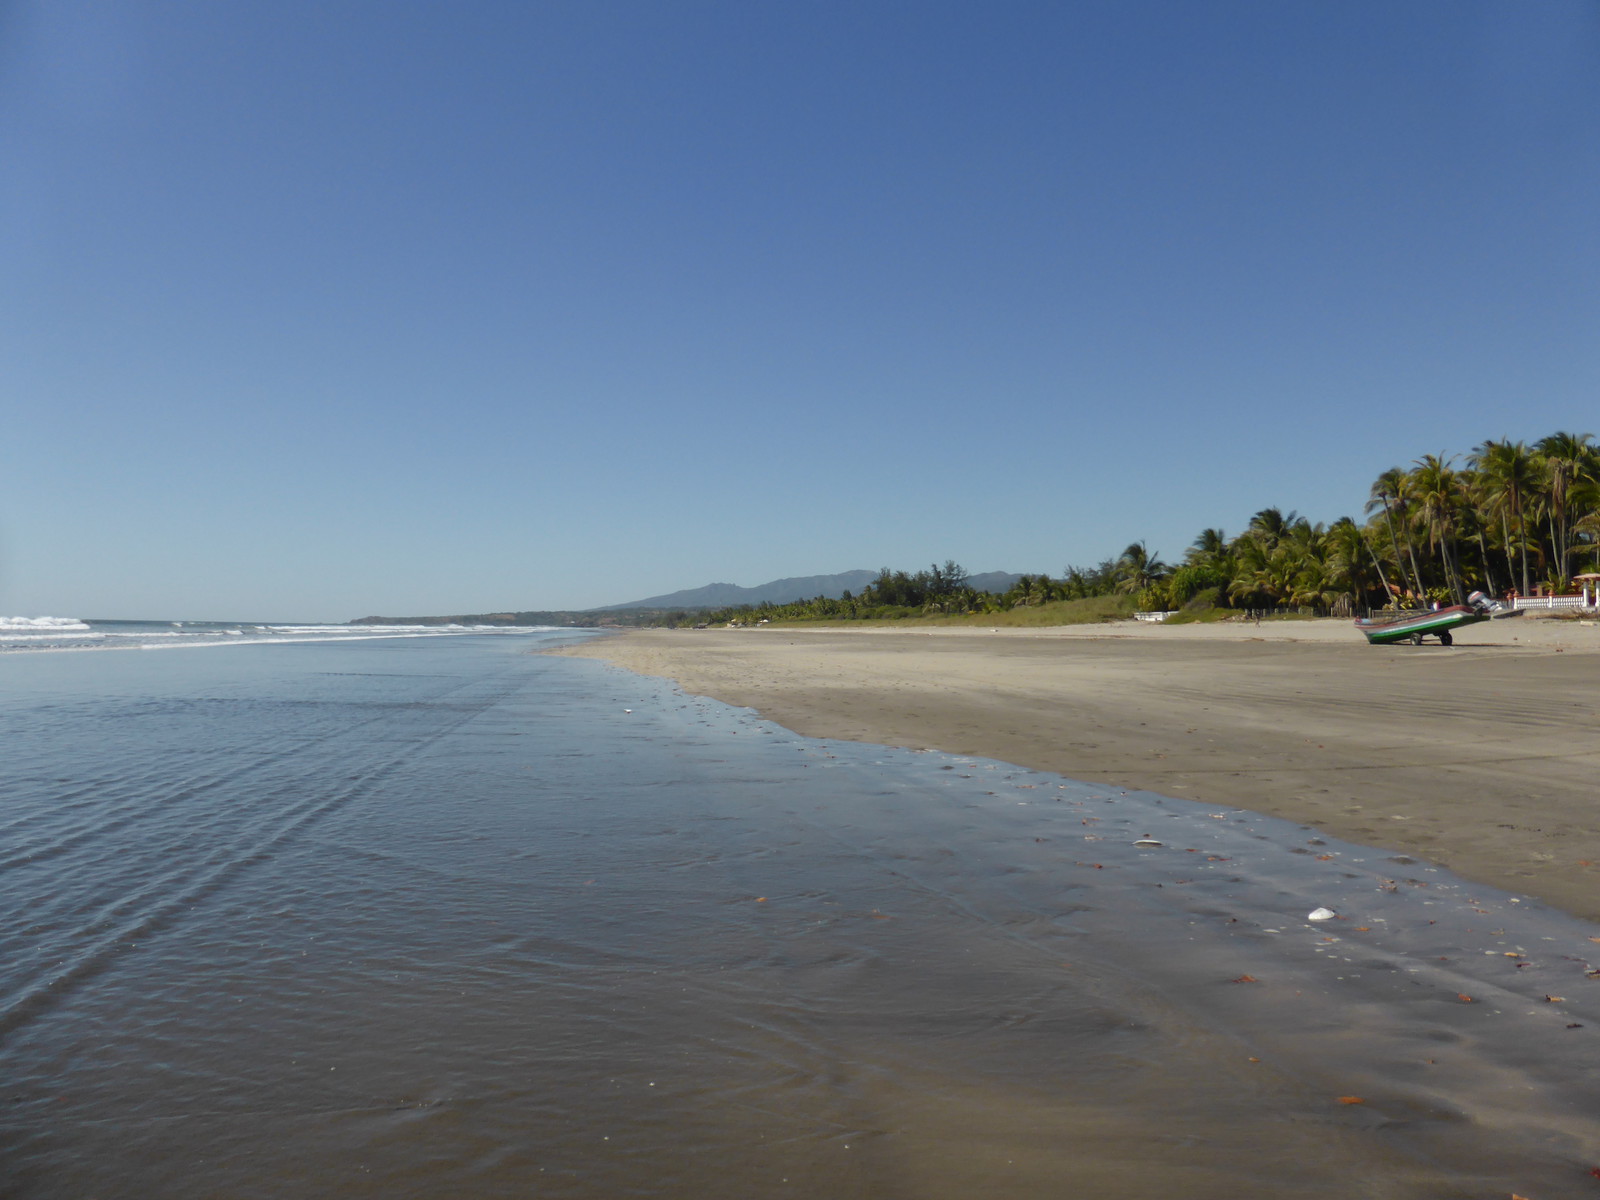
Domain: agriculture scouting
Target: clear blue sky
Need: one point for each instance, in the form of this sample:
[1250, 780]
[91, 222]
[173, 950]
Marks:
[316, 310]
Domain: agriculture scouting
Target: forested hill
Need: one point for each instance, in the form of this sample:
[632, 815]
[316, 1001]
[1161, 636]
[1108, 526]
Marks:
[712, 596]
[779, 591]
[785, 591]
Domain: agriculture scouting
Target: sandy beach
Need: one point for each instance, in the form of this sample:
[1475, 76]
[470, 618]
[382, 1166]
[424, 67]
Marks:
[1483, 757]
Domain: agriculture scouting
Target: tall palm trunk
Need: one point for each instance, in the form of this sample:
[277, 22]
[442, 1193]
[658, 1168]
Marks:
[1505, 534]
[1555, 539]
[1388, 518]
[1453, 560]
[1411, 553]
[1383, 581]
[1416, 571]
[1522, 539]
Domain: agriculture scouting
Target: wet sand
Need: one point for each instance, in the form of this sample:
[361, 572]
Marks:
[415, 918]
[1483, 758]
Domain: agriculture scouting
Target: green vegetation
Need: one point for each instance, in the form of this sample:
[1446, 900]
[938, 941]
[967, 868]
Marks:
[943, 594]
[1510, 517]
[1087, 611]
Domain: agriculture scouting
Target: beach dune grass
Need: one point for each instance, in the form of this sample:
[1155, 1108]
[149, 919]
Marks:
[1089, 611]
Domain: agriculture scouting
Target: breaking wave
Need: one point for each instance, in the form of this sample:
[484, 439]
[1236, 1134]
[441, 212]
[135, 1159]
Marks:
[44, 624]
[19, 634]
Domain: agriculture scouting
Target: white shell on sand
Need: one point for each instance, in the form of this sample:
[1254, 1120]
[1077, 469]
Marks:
[1321, 914]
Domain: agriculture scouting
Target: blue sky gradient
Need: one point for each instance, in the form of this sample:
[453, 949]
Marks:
[316, 310]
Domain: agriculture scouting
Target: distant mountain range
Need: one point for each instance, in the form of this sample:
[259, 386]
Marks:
[782, 591]
[713, 595]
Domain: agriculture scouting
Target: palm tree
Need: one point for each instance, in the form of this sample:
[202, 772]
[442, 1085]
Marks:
[1249, 560]
[1510, 475]
[1209, 562]
[1584, 498]
[1474, 525]
[1349, 552]
[1137, 568]
[1305, 537]
[1325, 564]
[1569, 457]
[1392, 491]
[1272, 525]
[1210, 549]
[1438, 494]
[1272, 574]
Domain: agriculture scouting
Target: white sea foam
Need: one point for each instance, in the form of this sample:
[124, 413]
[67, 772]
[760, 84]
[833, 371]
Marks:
[357, 629]
[12, 637]
[285, 639]
[64, 634]
[53, 624]
[367, 631]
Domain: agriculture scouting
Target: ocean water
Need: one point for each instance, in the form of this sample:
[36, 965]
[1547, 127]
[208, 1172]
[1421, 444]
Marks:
[304, 912]
[21, 634]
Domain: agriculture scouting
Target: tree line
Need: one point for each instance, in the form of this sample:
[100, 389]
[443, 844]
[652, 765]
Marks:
[1509, 516]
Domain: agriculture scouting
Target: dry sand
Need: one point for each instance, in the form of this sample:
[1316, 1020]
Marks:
[1484, 757]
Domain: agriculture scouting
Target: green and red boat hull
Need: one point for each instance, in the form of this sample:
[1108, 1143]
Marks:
[1413, 628]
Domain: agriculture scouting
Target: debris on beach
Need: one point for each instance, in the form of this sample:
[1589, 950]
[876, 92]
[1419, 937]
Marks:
[1321, 914]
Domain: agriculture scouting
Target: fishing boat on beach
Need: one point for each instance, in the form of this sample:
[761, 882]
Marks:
[1390, 630]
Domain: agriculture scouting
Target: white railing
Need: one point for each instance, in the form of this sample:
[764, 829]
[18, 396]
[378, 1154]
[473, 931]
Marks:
[1154, 616]
[1542, 603]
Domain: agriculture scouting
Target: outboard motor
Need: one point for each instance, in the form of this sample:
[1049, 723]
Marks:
[1482, 603]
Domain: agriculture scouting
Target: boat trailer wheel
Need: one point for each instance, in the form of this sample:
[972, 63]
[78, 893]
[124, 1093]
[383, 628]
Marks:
[1445, 639]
